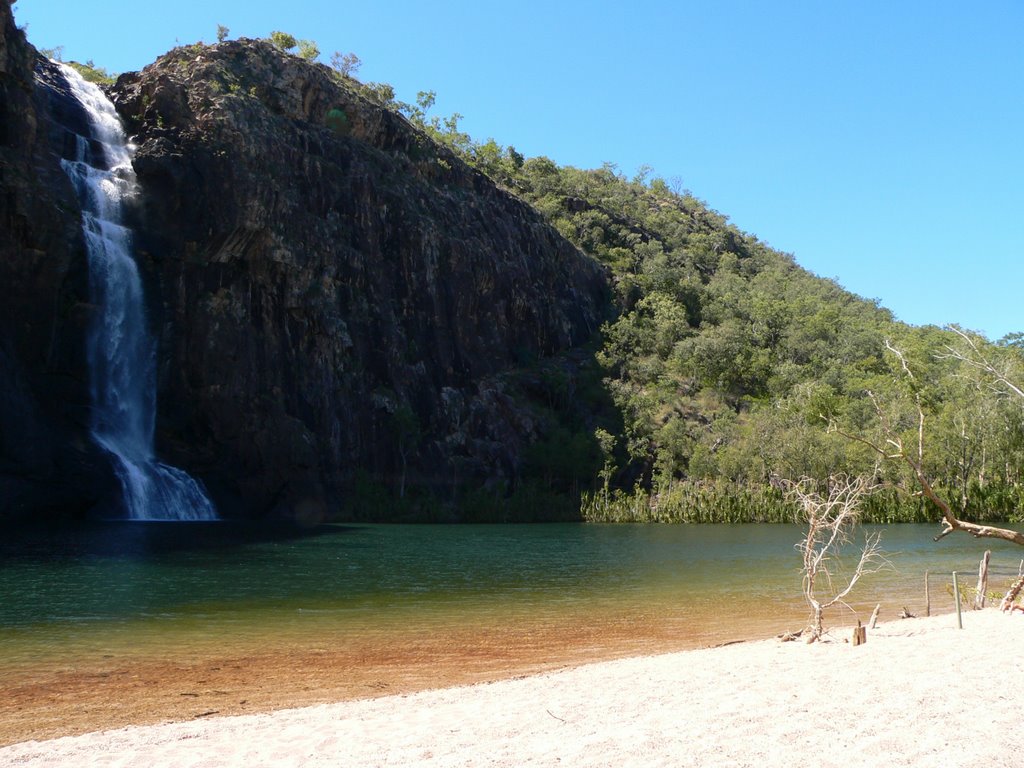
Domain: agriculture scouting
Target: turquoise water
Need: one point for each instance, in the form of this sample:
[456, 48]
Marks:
[153, 587]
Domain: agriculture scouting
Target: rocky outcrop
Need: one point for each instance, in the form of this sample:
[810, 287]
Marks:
[335, 295]
[337, 299]
[47, 462]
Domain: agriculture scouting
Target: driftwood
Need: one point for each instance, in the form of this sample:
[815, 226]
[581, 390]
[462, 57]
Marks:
[1011, 595]
[860, 635]
[788, 637]
[927, 597]
[979, 597]
[905, 614]
[729, 642]
[874, 616]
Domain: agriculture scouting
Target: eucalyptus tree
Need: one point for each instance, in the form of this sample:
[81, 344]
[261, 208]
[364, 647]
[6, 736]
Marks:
[895, 442]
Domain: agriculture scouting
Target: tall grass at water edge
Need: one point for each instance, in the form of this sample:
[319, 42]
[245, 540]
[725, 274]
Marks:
[723, 502]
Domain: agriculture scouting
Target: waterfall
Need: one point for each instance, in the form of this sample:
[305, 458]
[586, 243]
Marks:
[121, 354]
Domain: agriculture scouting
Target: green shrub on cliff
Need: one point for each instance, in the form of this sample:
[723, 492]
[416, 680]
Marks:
[307, 49]
[338, 121]
[92, 73]
[283, 40]
[345, 64]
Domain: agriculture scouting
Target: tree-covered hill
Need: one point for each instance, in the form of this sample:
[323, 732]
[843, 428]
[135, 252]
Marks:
[727, 361]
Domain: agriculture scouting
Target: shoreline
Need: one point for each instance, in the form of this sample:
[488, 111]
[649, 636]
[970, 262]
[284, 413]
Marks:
[158, 653]
[107, 689]
[919, 692]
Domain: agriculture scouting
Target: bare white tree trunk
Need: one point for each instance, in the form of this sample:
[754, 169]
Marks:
[979, 595]
[874, 616]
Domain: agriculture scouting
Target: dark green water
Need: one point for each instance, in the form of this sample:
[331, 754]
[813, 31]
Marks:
[153, 587]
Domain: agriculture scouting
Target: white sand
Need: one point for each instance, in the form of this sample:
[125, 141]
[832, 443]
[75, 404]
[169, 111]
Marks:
[920, 692]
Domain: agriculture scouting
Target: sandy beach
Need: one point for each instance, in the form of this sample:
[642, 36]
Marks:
[920, 693]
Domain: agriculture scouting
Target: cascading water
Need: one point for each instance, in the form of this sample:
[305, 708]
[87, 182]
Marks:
[122, 356]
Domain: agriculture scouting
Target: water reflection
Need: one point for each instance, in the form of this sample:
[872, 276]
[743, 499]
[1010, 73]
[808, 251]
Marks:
[152, 588]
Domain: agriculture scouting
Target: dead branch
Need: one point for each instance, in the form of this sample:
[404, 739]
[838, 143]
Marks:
[874, 616]
[1011, 595]
[972, 355]
[830, 520]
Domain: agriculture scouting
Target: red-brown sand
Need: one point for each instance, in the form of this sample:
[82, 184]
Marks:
[920, 693]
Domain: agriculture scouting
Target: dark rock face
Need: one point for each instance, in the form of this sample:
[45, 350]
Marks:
[333, 293]
[48, 464]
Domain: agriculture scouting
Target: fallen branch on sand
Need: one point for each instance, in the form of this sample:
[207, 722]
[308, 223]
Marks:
[1007, 603]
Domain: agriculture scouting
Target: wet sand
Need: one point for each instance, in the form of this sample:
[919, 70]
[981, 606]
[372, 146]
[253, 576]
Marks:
[98, 691]
[133, 680]
[919, 693]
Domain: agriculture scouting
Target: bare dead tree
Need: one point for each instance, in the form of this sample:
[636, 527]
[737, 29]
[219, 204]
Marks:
[892, 447]
[979, 593]
[971, 354]
[830, 522]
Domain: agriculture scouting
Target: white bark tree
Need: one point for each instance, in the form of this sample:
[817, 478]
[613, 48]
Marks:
[830, 521]
[999, 378]
[892, 445]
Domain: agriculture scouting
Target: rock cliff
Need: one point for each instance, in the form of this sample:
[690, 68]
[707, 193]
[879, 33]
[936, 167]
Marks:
[48, 464]
[335, 296]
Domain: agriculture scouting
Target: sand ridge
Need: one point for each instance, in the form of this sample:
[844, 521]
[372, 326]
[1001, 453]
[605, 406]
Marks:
[919, 693]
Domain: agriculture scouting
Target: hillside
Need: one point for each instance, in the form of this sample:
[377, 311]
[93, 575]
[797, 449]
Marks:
[362, 313]
[727, 362]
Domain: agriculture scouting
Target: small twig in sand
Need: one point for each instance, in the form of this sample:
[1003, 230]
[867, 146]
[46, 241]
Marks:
[728, 642]
[555, 716]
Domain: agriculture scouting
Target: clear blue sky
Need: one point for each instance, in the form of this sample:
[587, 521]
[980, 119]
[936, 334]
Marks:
[881, 143]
